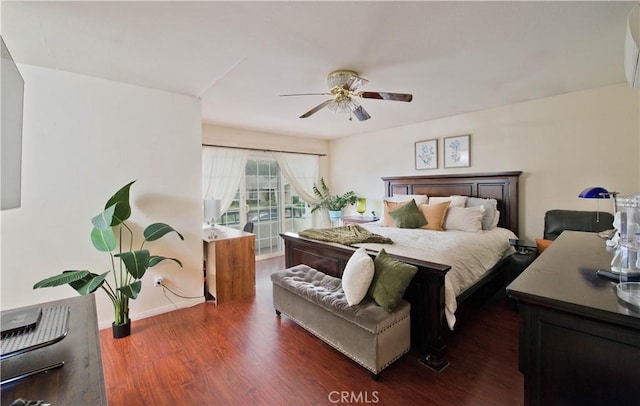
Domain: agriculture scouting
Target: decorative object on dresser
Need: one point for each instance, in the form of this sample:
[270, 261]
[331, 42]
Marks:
[127, 285]
[426, 154]
[333, 203]
[426, 292]
[457, 151]
[626, 239]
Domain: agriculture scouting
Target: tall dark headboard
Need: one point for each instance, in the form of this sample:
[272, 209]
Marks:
[502, 186]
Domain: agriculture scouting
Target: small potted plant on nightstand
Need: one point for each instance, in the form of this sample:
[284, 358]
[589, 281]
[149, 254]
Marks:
[333, 203]
[127, 265]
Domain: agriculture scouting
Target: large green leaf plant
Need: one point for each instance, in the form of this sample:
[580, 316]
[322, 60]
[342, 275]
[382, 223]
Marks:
[127, 267]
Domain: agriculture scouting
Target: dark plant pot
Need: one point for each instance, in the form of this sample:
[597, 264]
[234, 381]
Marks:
[121, 330]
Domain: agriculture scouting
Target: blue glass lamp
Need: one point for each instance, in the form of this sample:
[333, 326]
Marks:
[599, 192]
[596, 192]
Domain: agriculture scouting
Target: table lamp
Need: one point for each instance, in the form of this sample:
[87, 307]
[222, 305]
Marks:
[598, 192]
[212, 211]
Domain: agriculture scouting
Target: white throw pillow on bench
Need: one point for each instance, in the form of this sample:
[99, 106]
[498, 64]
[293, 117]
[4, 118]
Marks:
[357, 276]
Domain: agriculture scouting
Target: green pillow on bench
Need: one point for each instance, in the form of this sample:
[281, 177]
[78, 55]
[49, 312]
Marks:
[390, 280]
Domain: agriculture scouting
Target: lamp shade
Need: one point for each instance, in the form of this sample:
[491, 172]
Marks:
[212, 209]
[596, 192]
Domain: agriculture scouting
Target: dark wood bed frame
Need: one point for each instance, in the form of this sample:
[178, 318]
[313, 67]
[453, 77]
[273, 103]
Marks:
[429, 329]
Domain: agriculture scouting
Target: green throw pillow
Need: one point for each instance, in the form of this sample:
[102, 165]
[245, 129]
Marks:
[391, 278]
[408, 216]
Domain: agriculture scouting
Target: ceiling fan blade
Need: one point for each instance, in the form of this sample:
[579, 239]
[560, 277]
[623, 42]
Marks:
[307, 94]
[405, 97]
[317, 108]
[361, 114]
[354, 83]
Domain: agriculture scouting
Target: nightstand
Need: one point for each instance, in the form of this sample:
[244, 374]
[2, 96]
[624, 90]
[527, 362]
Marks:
[358, 219]
[526, 253]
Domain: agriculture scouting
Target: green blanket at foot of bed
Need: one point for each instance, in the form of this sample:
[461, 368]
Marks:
[347, 235]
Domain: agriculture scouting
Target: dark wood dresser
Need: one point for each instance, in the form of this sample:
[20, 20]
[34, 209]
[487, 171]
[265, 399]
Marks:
[80, 381]
[578, 344]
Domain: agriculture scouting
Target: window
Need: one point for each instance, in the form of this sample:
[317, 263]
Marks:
[267, 199]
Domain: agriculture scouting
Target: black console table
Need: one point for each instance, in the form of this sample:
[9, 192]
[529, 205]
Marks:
[578, 344]
[80, 381]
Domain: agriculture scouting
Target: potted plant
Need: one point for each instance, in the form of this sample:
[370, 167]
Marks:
[333, 203]
[127, 265]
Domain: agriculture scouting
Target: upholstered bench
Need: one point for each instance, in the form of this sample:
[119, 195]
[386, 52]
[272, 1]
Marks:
[366, 333]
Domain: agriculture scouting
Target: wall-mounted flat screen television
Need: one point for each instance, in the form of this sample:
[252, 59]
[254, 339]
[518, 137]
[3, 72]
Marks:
[11, 105]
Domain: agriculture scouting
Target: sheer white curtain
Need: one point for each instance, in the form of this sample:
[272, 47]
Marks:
[301, 171]
[222, 170]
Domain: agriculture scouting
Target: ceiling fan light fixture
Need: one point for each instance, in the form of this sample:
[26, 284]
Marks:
[340, 77]
[343, 105]
[343, 85]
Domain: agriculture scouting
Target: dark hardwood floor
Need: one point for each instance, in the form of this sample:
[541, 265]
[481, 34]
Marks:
[241, 353]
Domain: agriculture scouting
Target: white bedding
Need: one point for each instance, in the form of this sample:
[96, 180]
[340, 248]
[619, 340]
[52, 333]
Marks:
[470, 254]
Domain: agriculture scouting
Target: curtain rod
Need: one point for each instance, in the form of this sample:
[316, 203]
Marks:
[264, 150]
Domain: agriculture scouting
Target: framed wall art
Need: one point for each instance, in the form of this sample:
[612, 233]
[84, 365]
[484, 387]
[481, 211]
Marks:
[426, 154]
[457, 151]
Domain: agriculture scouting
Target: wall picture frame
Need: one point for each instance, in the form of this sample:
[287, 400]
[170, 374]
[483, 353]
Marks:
[457, 151]
[426, 154]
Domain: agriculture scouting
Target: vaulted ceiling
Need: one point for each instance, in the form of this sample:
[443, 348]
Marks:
[239, 57]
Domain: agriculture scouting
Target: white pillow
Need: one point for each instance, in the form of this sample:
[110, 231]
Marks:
[456, 201]
[357, 276]
[490, 208]
[420, 199]
[464, 218]
[496, 220]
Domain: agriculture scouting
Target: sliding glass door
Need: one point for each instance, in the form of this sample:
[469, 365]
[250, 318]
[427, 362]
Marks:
[266, 199]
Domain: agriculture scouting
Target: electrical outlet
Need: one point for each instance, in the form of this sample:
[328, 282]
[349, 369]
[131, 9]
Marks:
[157, 281]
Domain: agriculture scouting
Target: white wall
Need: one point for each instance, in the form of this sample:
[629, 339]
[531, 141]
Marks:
[83, 139]
[235, 137]
[562, 144]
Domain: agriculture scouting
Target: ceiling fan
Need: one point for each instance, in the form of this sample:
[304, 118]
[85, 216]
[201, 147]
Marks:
[344, 85]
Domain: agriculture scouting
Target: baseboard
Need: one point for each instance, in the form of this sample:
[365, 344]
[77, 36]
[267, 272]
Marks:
[158, 310]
